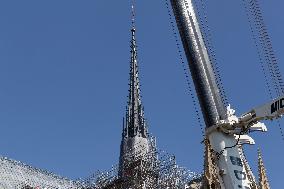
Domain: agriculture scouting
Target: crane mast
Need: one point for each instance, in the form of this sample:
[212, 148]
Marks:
[232, 173]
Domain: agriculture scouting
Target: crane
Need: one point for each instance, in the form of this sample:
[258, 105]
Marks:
[224, 130]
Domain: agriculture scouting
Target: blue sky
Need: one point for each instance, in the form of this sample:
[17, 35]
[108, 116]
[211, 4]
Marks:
[64, 73]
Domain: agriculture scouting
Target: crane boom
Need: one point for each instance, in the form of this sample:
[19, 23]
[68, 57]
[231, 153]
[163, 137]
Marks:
[232, 172]
[271, 110]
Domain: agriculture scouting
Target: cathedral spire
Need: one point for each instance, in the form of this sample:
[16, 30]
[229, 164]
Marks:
[135, 141]
[263, 179]
[135, 122]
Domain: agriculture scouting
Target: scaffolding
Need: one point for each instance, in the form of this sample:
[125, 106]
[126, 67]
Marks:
[154, 170]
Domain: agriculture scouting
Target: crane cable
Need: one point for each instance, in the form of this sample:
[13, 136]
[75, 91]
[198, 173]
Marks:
[266, 46]
[266, 55]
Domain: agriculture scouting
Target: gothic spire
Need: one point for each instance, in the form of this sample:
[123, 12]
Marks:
[135, 140]
[263, 179]
[135, 121]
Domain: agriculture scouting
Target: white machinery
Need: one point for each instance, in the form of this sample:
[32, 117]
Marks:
[231, 168]
[224, 129]
[249, 121]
